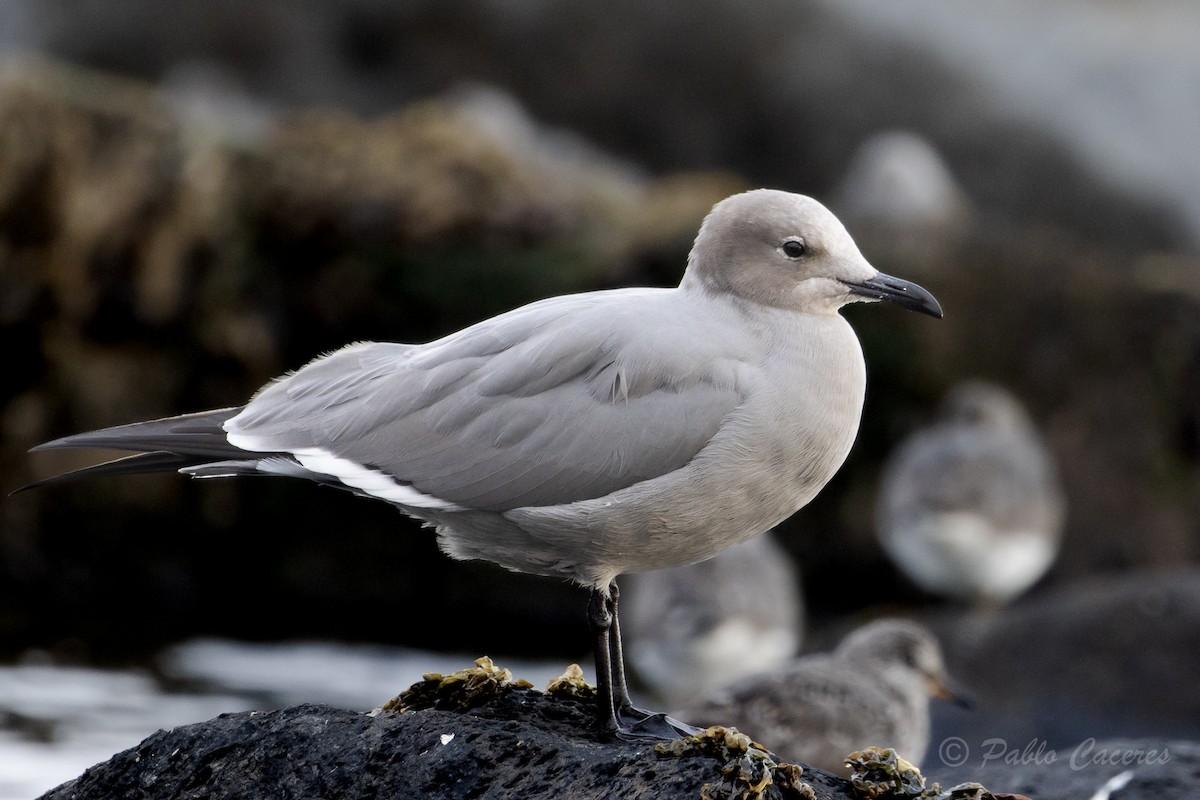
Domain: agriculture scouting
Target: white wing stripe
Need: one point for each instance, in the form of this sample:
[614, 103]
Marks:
[371, 481]
[352, 474]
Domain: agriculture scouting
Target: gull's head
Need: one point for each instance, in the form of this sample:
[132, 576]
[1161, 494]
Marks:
[789, 251]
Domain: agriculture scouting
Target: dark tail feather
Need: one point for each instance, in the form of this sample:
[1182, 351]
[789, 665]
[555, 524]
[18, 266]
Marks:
[166, 445]
[137, 464]
[199, 435]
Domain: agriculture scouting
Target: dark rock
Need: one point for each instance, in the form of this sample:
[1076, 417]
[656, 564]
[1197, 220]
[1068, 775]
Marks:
[490, 739]
[1130, 769]
[1101, 659]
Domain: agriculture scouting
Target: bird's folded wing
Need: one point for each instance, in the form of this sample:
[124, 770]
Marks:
[550, 404]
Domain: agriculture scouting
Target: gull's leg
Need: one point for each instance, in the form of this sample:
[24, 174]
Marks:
[600, 620]
[616, 657]
[631, 722]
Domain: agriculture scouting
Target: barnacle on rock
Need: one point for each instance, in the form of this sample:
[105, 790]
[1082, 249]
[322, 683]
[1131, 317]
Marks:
[459, 690]
[966, 791]
[571, 684]
[974, 791]
[747, 768]
[882, 772]
[788, 777]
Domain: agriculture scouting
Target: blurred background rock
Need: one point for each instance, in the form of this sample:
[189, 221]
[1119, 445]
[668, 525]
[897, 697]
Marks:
[197, 196]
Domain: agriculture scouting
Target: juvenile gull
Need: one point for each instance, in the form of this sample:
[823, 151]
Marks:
[970, 507]
[588, 435]
[691, 629]
[874, 689]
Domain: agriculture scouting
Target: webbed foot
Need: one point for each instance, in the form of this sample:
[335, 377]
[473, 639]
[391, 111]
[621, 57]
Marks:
[634, 724]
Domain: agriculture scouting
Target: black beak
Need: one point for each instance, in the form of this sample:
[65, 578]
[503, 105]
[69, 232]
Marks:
[901, 292]
[945, 689]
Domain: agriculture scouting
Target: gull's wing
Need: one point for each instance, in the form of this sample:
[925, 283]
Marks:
[564, 400]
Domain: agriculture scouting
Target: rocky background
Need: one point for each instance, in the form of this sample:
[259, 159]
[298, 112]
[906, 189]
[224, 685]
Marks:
[195, 199]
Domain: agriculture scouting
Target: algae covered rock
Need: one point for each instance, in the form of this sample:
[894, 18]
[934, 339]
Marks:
[473, 733]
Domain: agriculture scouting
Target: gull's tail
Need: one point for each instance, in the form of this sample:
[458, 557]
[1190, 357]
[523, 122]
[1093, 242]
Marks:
[162, 445]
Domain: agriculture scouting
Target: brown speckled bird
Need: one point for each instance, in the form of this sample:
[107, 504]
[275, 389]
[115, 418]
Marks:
[874, 689]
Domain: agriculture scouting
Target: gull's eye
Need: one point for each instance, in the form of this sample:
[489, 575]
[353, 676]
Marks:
[793, 248]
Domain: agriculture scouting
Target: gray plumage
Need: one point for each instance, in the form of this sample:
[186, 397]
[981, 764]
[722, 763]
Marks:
[971, 507]
[691, 629]
[874, 689]
[593, 434]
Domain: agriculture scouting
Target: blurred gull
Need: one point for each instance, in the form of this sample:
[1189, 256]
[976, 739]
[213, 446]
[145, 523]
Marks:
[897, 178]
[971, 507]
[901, 196]
[874, 689]
[588, 435]
[691, 629]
